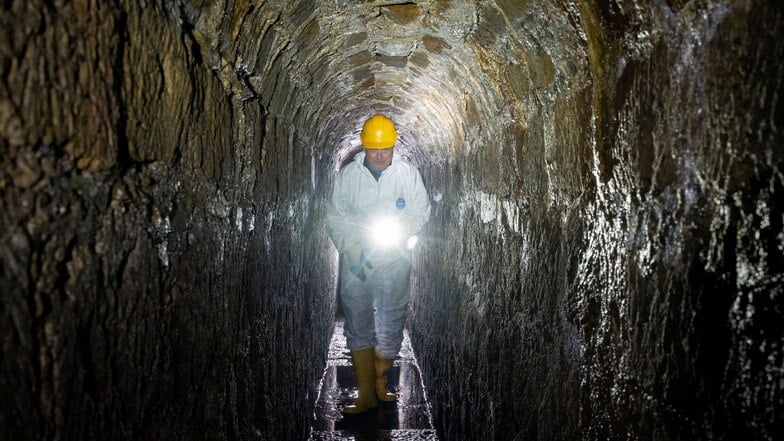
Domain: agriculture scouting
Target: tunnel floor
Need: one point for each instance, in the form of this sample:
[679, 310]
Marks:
[408, 419]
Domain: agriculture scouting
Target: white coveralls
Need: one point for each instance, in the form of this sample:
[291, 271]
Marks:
[375, 309]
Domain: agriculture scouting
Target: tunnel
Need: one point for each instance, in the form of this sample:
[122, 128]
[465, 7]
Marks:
[604, 258]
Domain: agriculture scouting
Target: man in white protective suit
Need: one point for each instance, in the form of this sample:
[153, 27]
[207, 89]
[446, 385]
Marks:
[378, 205]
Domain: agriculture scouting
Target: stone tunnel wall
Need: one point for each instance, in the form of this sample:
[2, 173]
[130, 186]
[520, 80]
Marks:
[612, 268]
[604, 259]
[164, 273]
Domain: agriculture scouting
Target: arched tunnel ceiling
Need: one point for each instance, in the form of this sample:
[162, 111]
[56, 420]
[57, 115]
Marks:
[454, 75]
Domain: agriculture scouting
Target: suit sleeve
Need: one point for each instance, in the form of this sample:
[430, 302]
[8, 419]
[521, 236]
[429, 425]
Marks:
[341, 222]
[419, 213]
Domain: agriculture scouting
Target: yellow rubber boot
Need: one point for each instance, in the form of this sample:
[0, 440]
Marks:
[365, 374]
[382, 366]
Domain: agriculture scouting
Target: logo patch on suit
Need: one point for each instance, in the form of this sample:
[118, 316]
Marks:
[400, 203]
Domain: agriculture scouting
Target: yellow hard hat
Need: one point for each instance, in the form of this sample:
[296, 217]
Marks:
[378, 133]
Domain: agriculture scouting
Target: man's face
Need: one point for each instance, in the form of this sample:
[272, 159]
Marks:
[379, 159]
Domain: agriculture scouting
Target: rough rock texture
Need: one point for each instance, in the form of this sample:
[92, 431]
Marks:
[605, 258]
[609, 264]
[164, 273]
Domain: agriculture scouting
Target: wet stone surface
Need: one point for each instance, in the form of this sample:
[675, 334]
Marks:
[408, 419]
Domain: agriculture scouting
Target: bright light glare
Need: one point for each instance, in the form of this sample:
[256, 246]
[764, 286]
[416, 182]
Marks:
[411, 243]
[386, 232]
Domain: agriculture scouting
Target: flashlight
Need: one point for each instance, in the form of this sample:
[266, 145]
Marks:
[385, 232]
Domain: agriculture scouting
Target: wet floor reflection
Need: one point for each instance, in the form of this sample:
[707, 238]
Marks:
[408, 419]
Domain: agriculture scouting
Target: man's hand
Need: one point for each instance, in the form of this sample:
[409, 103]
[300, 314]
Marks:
[357, 260]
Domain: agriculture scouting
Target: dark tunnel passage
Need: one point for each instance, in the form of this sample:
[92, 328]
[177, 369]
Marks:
[604, 259]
